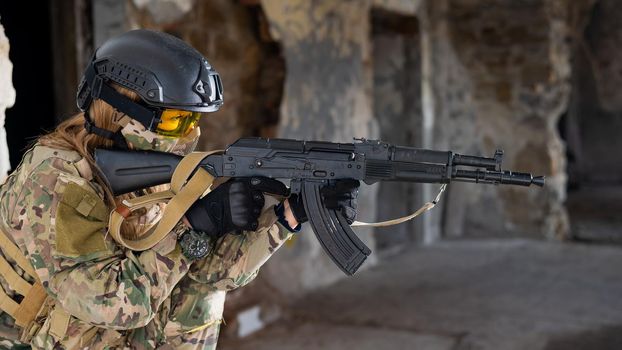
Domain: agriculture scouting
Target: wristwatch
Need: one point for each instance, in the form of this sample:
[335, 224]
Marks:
[194, 244]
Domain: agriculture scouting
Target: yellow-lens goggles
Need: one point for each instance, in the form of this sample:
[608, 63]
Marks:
[177, 123]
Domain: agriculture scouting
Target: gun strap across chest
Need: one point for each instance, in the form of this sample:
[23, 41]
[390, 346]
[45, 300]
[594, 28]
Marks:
[189, 183]
[427, 206]
[34, 294]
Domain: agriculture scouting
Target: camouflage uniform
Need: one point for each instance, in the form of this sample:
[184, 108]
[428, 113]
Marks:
[107, 296]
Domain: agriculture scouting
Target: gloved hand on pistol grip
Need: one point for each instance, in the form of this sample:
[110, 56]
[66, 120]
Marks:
[233, 206]
[340, 195]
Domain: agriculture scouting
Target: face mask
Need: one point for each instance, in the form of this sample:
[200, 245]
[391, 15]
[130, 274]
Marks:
[142, 139]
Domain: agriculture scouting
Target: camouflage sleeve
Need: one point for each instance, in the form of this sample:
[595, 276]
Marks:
[61, 221]
[237, 258]
[198, 300]
[201, 339]
[196, 314]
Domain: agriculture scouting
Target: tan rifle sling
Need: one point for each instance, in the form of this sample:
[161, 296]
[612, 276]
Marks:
[427, 206]
[189, 183]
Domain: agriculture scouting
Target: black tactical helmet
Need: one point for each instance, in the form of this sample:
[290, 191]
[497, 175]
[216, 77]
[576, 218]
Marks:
[162, 69]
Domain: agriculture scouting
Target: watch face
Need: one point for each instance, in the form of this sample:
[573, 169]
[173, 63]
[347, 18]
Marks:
[195, 245]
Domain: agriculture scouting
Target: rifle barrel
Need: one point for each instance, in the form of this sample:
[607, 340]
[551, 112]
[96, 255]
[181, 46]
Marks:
[499, 177]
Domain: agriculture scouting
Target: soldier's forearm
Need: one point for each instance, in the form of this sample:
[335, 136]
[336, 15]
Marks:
[237, 258]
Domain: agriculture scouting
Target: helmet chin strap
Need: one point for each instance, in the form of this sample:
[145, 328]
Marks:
[116, 137]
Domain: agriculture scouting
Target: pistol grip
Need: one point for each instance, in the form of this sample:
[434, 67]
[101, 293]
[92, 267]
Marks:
[332, 230]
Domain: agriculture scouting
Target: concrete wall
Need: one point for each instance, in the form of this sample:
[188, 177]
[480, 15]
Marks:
[7, 99]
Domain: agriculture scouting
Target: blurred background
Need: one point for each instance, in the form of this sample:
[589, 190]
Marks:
[487, 268]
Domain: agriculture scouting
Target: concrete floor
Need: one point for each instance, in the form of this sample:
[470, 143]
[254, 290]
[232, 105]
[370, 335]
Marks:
[458, 295]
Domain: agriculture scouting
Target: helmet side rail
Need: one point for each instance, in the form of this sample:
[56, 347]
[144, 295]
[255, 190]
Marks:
[311, 165]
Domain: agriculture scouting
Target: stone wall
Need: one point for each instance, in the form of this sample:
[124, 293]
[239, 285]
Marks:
[593, 123]
[396, 97]
[447, 115]
[499, 78]
[494, 74]
[603, 37]
[326, 97]
[7, 99]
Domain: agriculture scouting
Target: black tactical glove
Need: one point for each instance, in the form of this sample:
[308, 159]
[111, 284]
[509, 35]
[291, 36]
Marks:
[339, 195]
[233, 206]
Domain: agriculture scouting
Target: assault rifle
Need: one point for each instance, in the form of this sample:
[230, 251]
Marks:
[311, 165]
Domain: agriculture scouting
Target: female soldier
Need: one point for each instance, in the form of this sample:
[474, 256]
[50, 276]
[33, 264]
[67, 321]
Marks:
[68, 283]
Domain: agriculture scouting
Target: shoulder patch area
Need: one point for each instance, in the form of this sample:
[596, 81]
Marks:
[42, 153]
[81, 218]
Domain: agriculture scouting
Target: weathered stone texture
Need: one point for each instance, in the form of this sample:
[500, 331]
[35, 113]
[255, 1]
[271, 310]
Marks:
[326, 97]
[397, 108]
[7, 99]
[403, 7]
[604, 41]
[109, 19]
[165, 11]
[513, 64]
[224, 32]
[447, 115]
[593, 123]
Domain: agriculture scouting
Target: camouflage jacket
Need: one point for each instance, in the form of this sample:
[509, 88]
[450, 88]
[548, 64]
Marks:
[114, 297]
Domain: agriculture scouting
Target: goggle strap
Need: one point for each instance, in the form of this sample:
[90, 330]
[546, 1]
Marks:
[116, 137]
[99, 89]
[147, 117]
